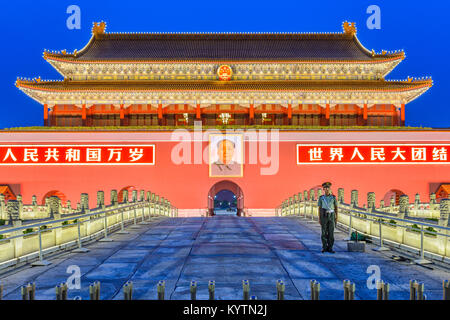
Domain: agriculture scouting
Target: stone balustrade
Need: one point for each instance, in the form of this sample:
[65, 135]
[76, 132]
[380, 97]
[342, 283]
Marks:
[54, 208]
[61, 227]
[417, 225]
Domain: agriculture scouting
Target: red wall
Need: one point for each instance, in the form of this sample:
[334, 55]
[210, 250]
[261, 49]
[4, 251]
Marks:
[187, 186]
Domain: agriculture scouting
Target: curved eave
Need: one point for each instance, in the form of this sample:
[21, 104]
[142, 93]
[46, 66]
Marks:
[37, 92]
[51, 55]
[398, 55]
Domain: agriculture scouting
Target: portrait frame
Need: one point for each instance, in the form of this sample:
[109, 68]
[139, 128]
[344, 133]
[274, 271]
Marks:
[238, 157]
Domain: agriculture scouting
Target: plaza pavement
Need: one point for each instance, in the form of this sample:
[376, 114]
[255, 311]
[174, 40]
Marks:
[228, 250]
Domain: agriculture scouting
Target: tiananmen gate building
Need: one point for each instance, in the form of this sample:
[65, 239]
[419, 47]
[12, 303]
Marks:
[275, 114]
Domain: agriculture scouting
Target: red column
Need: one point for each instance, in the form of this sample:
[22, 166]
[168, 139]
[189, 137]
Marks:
[365, 114]
[327, 114]
[83, 115]
[45, 115]
[252, 113]
[198, 112]
[122, 115]
[289, 114]
[402, 115]
[160, 114]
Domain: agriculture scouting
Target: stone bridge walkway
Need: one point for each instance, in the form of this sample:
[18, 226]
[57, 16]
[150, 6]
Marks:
[225, 249]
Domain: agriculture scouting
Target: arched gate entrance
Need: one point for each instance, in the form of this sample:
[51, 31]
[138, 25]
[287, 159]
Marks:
[220, 187]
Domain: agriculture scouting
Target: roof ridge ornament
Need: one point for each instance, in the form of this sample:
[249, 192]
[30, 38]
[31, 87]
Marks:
[98, 28]
[349, 28]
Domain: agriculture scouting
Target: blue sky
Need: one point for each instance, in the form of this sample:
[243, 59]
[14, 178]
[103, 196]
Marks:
[420, 28]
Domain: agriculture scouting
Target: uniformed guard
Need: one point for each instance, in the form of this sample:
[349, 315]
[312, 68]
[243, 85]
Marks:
[328, 214]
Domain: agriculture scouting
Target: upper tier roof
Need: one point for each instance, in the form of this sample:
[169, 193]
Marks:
[237, 47]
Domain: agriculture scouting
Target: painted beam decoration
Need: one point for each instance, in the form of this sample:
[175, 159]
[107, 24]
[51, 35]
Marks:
[74, 154]
[372, 154]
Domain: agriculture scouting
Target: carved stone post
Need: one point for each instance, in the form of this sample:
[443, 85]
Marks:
[340, 195]
[48, 206]
[19, 199]
[381, 204]
[296, 204]
[84, 202]
[312, 194]
[141, 195]
[433, 203]
[290, 202]
[370, 201]
[156, 201]
[164, 206]
[319, 193]
[169, 209]
[34, 201]
[149, 195]
[299, 197]
[100, 199]
[54, 204]
[3, 211]
[114, 198]
[161, 200]
[125, 196]
[416, 202]
[305, 195]
[403, 206]
[134, 196]
[444, 208]
[433, 198]
[68, 204]
[13, 208]
[354, 198]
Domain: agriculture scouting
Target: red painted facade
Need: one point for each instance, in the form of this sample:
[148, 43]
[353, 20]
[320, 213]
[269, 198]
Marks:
[187, 185]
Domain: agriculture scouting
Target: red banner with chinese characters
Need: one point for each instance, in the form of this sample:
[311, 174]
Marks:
[77, 154]
[371, 153]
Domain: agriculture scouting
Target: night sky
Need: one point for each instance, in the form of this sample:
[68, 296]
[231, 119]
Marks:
[420, 28]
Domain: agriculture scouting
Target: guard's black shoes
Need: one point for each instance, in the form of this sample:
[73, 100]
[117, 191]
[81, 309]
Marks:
[331, 251]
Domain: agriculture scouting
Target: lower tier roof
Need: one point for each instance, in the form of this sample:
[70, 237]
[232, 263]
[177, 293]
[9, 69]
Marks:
[319, 85]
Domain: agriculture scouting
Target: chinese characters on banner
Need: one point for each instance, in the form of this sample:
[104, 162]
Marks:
[77, 154]
[393, 154]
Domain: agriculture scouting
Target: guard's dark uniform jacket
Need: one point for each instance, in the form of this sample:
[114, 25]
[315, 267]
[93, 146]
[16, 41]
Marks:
[327, 205]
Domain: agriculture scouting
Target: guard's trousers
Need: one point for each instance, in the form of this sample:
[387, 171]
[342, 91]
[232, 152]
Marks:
[328, 225]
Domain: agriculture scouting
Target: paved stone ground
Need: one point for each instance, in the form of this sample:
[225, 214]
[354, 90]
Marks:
[226, 249]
